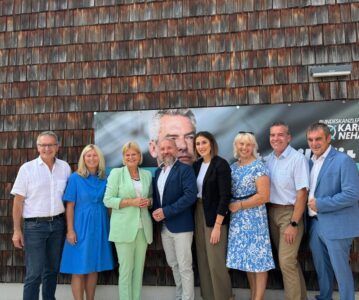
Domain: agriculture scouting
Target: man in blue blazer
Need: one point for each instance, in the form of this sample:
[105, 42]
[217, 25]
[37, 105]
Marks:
[175, 192]
[334, 213]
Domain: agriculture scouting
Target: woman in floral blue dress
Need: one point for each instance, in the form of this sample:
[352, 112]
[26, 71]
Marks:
[249, 247]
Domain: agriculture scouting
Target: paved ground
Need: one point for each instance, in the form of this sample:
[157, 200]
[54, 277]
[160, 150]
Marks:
[109, 292]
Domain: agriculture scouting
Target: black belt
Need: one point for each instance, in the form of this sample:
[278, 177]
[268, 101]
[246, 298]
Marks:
[243, 197]
[313, 217]
[45, 219]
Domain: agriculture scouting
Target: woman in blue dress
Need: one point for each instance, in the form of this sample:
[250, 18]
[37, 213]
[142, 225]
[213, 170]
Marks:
[249, 247]
[87, 250]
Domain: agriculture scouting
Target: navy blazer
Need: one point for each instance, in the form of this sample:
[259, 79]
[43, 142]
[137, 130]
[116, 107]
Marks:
[216, 190]
[179, 195]
[337, 196]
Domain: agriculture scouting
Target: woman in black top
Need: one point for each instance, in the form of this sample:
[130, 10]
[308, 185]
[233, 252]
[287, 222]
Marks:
[211, 217]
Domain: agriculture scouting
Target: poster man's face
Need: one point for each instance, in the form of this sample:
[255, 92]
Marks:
[180, 129]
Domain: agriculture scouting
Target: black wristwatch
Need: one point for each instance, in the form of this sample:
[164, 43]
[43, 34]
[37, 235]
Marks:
[293, 223]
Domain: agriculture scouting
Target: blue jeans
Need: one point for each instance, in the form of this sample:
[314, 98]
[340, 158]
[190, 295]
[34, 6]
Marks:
[43, 249]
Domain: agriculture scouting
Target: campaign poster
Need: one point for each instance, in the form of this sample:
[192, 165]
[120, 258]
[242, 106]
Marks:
[114, 129]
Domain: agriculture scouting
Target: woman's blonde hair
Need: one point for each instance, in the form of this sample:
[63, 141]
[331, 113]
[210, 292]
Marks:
[133, 146]
[101, 169]
[245, 136]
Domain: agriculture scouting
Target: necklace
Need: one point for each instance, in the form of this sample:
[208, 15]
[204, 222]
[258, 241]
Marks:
[134, 174]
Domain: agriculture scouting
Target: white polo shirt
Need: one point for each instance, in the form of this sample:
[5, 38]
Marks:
[43, 189]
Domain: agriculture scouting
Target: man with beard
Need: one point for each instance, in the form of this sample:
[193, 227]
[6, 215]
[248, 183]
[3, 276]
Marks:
[175, 193]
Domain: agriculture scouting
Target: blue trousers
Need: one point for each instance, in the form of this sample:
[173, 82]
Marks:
[331, 258]
[43, 248]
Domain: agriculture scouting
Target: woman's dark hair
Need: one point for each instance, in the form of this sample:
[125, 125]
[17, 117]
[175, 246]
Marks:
[212, 141]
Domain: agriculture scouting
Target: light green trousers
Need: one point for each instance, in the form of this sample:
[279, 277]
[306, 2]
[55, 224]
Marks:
[131, 257]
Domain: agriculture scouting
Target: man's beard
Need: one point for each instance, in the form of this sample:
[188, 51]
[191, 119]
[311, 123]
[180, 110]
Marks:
[167, 161]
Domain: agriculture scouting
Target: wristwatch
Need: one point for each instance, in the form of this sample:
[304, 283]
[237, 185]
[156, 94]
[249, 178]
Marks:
[293, 223]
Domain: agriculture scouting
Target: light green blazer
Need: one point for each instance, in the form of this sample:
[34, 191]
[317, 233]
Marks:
[124, 221]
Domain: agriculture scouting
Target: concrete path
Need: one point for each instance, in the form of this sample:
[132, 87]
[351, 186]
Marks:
[13, 291]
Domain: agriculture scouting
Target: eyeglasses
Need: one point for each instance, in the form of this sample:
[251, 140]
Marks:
[244, 132]
[47, 145]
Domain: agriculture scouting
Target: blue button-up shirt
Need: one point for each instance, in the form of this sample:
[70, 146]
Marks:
[288, 174]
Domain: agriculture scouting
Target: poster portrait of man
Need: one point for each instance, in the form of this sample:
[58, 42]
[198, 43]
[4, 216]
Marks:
[147, 127]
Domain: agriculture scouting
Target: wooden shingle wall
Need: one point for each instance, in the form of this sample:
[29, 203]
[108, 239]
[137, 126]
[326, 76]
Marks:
[61, 61]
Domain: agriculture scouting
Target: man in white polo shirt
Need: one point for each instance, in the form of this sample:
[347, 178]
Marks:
[289, 175]
[38, 191]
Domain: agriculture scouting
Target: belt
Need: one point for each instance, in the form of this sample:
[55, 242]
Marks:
[313, 217]
[274, 205]
[243, 197]
[45, 219]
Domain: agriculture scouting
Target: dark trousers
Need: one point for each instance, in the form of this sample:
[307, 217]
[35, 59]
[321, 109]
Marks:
[43, 249]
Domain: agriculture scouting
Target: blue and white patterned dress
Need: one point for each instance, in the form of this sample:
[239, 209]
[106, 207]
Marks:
[249, 247]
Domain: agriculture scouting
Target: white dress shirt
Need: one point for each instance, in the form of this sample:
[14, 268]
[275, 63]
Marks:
[161, 182]
[43, 189]
[314, 172]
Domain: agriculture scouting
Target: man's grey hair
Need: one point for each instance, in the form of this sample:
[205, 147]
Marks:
[154, 126]
[317, 126]
[48, 133]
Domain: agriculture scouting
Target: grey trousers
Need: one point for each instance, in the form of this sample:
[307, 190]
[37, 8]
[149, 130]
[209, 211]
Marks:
[178, 253]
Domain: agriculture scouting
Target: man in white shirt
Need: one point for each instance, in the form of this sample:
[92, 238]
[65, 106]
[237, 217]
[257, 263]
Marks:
[38, 191]
[333, 207]
[289, 175]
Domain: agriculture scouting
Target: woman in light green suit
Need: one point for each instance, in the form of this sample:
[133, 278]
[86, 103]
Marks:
[129, 194]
